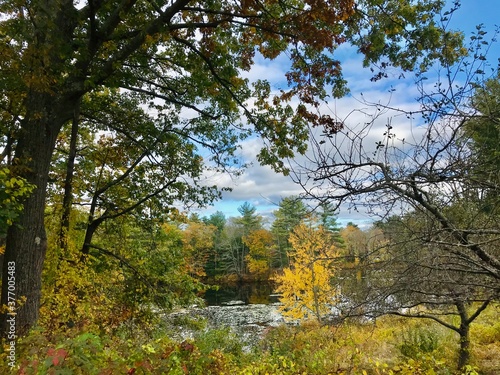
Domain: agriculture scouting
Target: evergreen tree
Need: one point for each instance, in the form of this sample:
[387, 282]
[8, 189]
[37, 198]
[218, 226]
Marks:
[215, 265]
[328, 219]
[249, 220]
[291, 213]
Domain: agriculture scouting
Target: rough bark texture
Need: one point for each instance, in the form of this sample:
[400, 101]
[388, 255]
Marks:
[464, 353]
[27, 240]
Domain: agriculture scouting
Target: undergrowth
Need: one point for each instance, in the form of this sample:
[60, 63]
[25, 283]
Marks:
[388, 346]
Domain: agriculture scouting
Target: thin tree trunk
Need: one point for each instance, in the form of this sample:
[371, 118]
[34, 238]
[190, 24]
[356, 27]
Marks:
[68, 184]
[464, 332]
[87, 242]
[464, 353]
[315, 290]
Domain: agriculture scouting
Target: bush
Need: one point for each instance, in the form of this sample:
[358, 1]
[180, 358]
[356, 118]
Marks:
[417, 342]
[223, 340]
[349, 349]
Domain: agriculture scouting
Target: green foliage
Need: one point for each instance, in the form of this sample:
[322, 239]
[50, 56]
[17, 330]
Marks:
[404, 18]
[223, 340]
[72, 355]
[488, 333]
[133, 273]
[248, 220]
[217, 219]
[418, 341]
[427, 365]
[13, 190]
[111, 64]
[483, 135]
[291, 213]
[347, 349]
[214, 266]
[328, 219]
[88, 354]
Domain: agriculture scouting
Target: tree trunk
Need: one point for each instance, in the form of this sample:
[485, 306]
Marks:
[87, 242]
[26, 240]
[68, 184]
[463, 331]
[464, 353]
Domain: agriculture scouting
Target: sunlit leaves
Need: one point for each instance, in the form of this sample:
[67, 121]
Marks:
[306, 287]
[178, 102]
[198, 240]
[260, 252]
[130, 271]
[406, 33]
[13, 191]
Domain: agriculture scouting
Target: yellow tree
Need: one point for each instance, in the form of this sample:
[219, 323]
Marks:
[198, 240]
[355, 241]
[305, 286]
[260, 252]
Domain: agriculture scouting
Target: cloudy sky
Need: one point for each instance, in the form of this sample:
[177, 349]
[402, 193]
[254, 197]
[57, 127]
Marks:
[263, 188]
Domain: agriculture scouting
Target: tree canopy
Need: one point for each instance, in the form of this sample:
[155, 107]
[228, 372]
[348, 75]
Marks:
[182, 62]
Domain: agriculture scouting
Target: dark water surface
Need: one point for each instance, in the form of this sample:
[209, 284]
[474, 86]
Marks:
[248, 293]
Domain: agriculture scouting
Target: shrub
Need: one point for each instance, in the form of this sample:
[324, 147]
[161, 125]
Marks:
[417, 342]
[223, 340]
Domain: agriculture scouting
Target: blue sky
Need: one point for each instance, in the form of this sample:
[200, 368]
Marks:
[263, 188]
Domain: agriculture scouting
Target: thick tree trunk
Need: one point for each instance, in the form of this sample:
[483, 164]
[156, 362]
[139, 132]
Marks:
[26, 240]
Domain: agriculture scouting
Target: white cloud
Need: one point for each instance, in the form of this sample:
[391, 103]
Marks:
[261, 186]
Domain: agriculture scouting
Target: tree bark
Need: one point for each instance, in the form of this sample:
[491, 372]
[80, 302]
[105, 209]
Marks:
[68, 184]
[463, 331]
[26, 243]
[464, 353]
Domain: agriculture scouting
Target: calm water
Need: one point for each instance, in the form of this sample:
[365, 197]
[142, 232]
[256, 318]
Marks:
[249, 293]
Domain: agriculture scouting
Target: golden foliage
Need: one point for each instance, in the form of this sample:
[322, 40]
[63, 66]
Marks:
[260, 252]
[198, 240]
[306, 287]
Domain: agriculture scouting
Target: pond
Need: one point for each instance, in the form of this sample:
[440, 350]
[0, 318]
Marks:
[256, 293]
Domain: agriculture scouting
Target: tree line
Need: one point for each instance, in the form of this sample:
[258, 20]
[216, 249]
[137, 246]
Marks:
[111, 114]
[159, 80]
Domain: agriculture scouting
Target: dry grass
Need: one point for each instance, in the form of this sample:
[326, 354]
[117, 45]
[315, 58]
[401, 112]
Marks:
[362, 346]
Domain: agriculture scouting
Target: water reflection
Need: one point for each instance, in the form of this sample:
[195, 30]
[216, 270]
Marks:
[248, 293]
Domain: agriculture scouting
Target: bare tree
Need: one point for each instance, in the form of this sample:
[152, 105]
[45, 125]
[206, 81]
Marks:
[433, 171]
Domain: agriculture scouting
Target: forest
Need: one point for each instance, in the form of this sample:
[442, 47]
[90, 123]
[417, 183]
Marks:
[113, 114]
